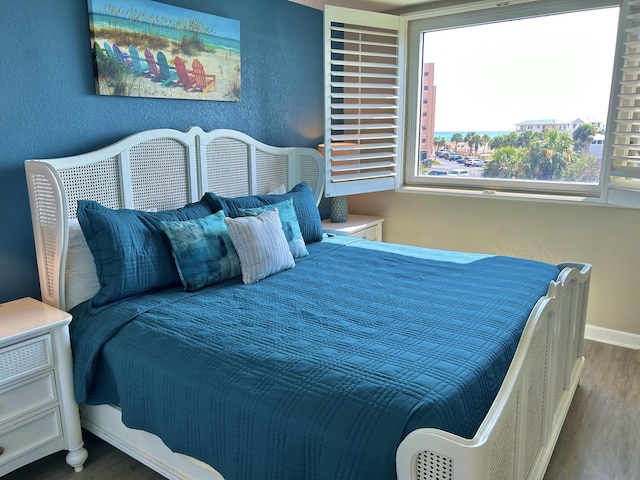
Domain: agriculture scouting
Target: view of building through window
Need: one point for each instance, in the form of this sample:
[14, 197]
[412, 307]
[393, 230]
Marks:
[519, 100]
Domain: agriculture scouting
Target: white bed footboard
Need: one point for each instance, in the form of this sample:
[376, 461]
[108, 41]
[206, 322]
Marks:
[518, 435]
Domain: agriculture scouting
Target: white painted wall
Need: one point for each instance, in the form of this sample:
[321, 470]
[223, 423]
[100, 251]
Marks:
[606, 237]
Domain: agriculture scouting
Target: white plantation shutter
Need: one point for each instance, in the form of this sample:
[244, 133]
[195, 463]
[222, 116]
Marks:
[363, 95]
[624, 167]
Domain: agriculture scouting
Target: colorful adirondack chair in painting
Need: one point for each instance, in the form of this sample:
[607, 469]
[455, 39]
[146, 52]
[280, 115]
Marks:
[185, 79]
[204, 82]
[120, 55]
[167, 73]
[154, 71]
[138, 66]
[108, 49]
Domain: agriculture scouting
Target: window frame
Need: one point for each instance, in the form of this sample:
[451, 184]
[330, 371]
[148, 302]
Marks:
[486, 13]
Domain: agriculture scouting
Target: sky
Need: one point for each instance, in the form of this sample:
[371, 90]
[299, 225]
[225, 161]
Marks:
[223, 27]
[490, 77]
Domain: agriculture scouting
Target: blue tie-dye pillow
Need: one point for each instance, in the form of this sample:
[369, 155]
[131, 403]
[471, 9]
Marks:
[203, 251]
[290, 225]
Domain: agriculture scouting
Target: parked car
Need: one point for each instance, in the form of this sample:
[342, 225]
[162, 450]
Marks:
[437, 172]
[473, 162]
[455, 157]
[458, 172]
[444, 153]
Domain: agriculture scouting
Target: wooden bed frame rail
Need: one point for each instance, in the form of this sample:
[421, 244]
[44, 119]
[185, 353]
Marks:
[517, 437]
[162, 169]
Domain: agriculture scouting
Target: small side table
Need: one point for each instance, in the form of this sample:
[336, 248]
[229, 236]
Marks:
[39, 415]
[356, 226]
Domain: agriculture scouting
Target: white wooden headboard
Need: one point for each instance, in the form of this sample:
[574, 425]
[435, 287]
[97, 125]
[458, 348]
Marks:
[154, 169]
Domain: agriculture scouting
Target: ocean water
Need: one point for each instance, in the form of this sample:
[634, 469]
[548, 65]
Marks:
[162, 31]
[494, 133]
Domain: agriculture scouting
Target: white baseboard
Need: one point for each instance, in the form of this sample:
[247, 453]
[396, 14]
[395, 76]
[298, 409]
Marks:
[614, 337]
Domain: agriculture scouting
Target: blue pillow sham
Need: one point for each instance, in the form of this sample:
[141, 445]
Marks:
[130, 249]
[203, 251]
[303, 202]
[290, 225]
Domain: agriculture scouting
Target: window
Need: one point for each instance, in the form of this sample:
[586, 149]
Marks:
[526, 100]
[539, 155]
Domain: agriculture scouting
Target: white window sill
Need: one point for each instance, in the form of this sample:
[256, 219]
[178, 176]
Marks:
[493, 194]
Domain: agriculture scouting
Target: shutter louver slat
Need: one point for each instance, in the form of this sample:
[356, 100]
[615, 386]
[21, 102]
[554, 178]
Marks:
[627, 172]
[363, 91]
[371, 75]
[624, 162]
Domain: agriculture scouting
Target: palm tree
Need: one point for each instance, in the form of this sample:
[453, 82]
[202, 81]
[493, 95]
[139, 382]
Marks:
[439, 142]
[550, 155]
[485, 139]
[508, 162]
[473, 140]
[583, 136]
[525, 138]
[456, 138]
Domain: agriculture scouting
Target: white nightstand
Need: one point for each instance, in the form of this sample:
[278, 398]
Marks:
[356, 226]
[38, 412]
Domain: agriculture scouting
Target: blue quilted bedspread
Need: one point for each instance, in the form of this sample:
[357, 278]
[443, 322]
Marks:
[317, 372]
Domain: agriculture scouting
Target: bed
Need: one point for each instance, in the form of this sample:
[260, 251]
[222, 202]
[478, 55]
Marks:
[358, 360]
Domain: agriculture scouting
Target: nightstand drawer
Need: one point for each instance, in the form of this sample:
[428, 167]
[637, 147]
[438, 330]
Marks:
[356, 226]
[25, 358]
[27, 436]
[370, 233]
[27, 396]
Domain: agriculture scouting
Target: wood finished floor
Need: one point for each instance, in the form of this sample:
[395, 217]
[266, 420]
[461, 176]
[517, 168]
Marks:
[600, 439]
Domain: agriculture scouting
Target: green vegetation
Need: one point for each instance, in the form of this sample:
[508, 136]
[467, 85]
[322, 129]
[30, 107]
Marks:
[233, 91]
[583, 136]
[439, 142]
[113, 73]
[127, 37]
[456, 138]
[145, 24]
[548, 156]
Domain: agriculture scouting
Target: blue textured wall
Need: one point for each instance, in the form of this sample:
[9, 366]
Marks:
[48, 106]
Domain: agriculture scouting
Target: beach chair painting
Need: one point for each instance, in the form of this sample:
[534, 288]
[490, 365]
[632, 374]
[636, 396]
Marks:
[120, 55]
[203, 82]
[154, 70]
[206, 46]
[108, 49]
[185, 79]
[138, 66]
[167, 74]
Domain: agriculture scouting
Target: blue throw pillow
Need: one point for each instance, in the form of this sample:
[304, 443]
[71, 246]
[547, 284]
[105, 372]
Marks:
[203, 251]
[303, 203]
[130, 249]
[290, 225]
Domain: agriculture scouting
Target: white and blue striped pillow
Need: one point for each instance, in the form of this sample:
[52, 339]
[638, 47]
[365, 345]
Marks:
[261, 245]
[290, 225]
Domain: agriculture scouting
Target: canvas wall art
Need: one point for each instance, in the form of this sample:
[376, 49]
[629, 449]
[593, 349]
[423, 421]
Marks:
[146, 48]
